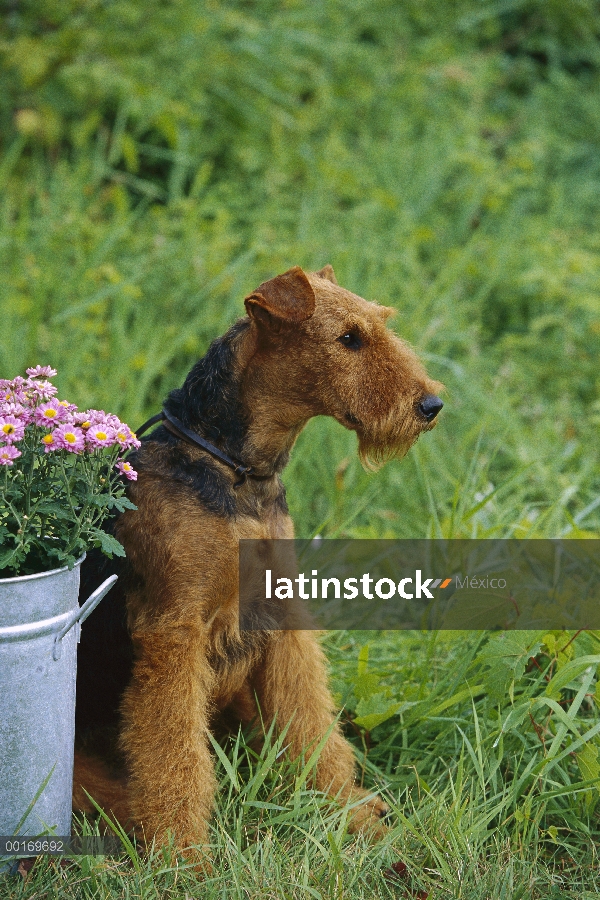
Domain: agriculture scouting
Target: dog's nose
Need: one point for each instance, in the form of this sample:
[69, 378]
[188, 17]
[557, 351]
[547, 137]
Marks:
[430, 406]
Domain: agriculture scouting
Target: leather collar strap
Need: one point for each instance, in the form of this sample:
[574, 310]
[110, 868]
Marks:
[172, 424]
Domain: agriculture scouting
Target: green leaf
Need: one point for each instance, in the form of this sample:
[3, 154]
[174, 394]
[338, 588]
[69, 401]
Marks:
[7, 554]
[102, 501]
[375, 710]
[366, 685]
[568, 673]
[514, 719]
[460, 697]
[231, 772]
[587, 760]
[51, 508]
[363, 659]
[506, 656]
[122, 503]
[107, 543]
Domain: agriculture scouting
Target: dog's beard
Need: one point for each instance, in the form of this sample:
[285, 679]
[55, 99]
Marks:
[388, 438]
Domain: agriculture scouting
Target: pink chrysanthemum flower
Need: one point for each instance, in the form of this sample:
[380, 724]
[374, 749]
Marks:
[8, 454]
[11, 429]
[12, 395]
[83, 419]
[69, 437]
[41, 372]
[16, 409]
[100, 436]
[125, 436]
[50, 413]
[97, 417]
[13, 391]
[127, 470]
[39, 390]
[50, 443]
[69, 407]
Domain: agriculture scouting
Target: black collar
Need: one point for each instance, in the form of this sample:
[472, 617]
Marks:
[172, 424]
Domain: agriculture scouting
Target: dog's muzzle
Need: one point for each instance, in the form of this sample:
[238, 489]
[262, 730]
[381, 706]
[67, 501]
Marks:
[430, 406]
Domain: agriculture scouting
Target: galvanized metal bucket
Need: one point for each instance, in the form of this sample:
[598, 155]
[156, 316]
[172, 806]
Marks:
[40, 621]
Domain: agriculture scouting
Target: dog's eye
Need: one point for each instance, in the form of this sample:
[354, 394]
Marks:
[351, 340]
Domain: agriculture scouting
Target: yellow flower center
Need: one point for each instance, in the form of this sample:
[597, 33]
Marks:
[8, 428]
[86, 424]
[70, 437]
[50, 413]
[126, 467]
[101, 435]
[48, 439]
[63, 402]
[121, 436]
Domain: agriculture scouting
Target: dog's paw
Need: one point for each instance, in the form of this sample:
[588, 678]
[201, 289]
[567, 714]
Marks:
[371, 816]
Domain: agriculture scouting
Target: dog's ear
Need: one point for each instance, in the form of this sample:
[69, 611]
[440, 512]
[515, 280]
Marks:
[386, 312]
[328, 273]
[286, 299]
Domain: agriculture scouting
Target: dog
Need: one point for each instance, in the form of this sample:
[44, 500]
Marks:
[167, 656]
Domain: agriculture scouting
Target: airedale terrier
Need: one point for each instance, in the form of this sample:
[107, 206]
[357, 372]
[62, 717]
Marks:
[307, 347]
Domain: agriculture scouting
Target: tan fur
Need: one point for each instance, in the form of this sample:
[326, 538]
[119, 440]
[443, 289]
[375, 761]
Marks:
[99, 782]
[183, 616]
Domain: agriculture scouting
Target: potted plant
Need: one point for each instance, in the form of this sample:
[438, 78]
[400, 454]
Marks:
[62, 473]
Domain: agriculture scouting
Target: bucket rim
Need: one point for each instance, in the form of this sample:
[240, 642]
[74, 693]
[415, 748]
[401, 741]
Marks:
[42, 574]
[30, 630]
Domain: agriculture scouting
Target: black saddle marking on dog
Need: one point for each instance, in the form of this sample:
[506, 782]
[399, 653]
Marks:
[209, 401]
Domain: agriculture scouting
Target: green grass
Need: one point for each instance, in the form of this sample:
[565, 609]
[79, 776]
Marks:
[272, 836]
[157, 162]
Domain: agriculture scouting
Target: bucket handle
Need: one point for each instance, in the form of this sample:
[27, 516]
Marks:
[80, 614]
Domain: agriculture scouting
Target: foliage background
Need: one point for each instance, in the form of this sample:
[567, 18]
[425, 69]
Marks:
[160, 159]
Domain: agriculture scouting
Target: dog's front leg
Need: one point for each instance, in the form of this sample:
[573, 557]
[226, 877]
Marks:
[291, 687]
[165, 736]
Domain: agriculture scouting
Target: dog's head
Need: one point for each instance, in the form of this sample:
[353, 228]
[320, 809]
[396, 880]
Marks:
[331, 353]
